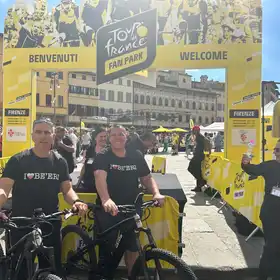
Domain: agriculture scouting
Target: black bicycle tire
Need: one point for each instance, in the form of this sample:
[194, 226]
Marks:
[84, 236]
[184, 271]
[48, 276]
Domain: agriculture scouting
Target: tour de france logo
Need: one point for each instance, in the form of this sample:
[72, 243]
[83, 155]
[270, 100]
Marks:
[126, 46]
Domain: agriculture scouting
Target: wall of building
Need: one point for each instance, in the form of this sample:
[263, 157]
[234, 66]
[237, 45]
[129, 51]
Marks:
[1, 73]
[56, 109]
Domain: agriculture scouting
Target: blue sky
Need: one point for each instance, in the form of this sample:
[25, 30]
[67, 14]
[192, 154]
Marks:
[271, 41]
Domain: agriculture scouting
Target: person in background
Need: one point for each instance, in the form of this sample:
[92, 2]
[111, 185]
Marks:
[165, 143]
[175, 144]
[85, 141]
[270, 260]
[198, 156]
[142, 143]
[75, 140]
[99, 141]
[64, 145]
[133, 134]
[218, 142]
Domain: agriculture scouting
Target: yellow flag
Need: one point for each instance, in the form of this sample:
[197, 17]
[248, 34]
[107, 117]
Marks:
[191, 124]
[82, 125]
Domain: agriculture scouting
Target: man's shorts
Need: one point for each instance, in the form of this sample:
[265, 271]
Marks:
[105, 220]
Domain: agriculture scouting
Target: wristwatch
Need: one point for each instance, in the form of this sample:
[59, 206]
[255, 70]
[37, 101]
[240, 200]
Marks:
[78, 200]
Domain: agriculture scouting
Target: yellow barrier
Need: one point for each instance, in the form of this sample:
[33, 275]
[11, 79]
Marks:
[159, 165]
[3, 162]
[163, 223]
[242, 192]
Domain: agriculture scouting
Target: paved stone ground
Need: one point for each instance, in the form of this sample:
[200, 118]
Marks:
[212, 242]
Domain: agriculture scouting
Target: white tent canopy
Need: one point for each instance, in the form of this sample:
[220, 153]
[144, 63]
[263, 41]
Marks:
[214, 127]
[268, 109]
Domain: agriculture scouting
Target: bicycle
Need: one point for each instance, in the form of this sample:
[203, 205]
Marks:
[86, 254]
[32, 244]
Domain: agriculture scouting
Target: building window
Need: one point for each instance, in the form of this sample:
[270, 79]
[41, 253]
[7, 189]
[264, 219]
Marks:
[184, 80]
[142, 114]
[128, 83]
[148, 101]
[93, 78]
[38, 74]
[84, 77]
[120, 82]
[166, 103]
[206, 120]
[199, 106]
[120, 96]
[154, 115]
[212, 107]
[38, 99]
[60, 75]
[74, 76]
[180, 104]
[212, 119]
[180, 118]
[173, 103]
[60, 101]
[142, 99]
[48, 74]
[102, 95]
[128, 97]
[193, 105]
[160, 101]
[187, 105]
[102, 112]
[48, 100]
[136, 99]
[154, 101]
[111, 95]
[199, 120]
[206, 107]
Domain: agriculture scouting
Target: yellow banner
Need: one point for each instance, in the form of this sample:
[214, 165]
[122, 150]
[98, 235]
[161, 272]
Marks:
[163, 223]
[242, 192]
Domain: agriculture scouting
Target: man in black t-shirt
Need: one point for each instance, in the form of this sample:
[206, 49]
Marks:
[35, 177]
[64, 145]
[116, 174]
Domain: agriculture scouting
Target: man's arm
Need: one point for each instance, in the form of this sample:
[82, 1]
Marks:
[150, 183]
[67, 145]
[6, 185]
[101, 185]
[68, 193]
[255, 169]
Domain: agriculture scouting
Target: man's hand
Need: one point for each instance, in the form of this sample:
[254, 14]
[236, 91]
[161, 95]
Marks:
[80, 207]
[246, 159]
[110, 207]
[159, 198]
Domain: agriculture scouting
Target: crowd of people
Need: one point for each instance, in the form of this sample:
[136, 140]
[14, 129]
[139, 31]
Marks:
[36, 176]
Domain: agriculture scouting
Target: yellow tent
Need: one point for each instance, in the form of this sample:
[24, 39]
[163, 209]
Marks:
[161, 130]
[178, 130]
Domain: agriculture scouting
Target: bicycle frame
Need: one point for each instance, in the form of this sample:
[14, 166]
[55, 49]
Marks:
[27, 254]
[113, 260]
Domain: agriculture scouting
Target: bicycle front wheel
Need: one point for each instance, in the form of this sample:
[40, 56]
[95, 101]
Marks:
[162, 265]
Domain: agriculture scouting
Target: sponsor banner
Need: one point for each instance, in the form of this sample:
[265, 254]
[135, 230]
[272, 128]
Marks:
[126, 47]
[16, 112]
[16, 133]
[244, 114]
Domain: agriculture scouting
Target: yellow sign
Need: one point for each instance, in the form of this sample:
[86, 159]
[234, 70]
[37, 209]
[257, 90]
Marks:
[163, 223]
[241, 191]
[159, 165]
[223, 36]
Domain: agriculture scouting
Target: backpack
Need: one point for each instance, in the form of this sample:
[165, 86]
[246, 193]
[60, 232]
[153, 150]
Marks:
[207, 145]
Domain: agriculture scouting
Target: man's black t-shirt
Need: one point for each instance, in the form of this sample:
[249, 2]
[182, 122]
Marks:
[37, 181]
[67, 155]
[122, 174]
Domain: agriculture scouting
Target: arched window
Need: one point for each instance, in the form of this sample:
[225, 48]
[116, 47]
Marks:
[166, 103]
[180, 104]
[154, 101]
[142, 99]
[199, 119]
[136, 98]
[160, 101]
[187, 105]
[148, 101]
[173, 103]
[194, 105]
